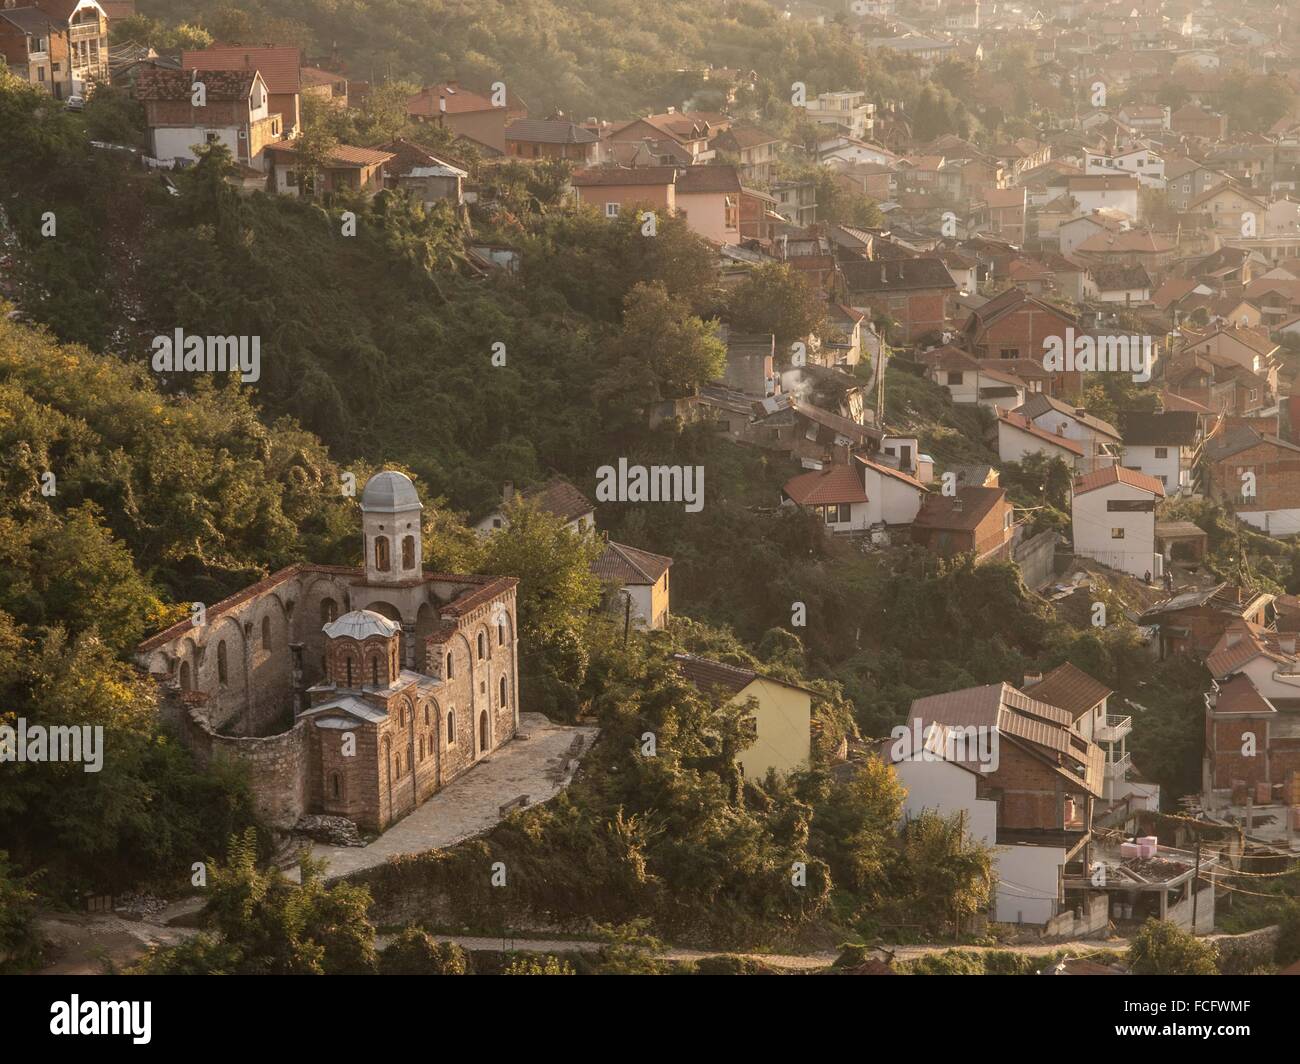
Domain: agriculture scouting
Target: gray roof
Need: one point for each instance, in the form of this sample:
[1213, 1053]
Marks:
[1040, 403]
[540, 131]
[361, 624]
[352, 706]
[390, 492]
[30, 20]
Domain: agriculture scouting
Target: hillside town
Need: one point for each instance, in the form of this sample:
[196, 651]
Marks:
[897, 459]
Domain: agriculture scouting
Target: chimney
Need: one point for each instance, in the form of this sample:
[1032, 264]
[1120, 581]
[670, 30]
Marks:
[1031, 679]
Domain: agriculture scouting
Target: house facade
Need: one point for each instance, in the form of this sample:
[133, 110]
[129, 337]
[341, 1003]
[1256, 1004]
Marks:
[1113, 519]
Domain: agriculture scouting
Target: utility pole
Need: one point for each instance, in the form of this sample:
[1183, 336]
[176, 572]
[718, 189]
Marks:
[627, 615]
[1196, 882]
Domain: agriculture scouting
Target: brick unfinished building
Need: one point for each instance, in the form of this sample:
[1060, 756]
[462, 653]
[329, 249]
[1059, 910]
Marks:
[356, 692]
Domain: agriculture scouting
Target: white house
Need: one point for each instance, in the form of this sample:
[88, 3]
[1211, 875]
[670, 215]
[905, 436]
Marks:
[854, 496]
[1100, 440]
[969, 382]
[1018, 437]
[1165, 446]
[1142, 163]
[1095, 192]
[1113, 517]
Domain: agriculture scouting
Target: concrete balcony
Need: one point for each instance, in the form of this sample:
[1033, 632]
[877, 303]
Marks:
[1114, 729]
[1119, 767]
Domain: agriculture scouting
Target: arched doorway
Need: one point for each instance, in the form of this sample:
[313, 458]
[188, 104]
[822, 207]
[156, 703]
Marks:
[186, 682]
[483, 732]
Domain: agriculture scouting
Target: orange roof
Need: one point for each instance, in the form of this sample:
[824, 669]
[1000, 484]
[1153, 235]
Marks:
[1019, 421]
[279, 66]
[834, 484]
[344, 155]
[1117, 474]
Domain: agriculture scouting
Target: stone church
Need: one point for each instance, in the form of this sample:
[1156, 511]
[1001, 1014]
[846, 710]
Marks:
[356, 692]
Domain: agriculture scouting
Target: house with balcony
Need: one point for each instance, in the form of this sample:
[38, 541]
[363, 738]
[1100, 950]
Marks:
[1252, 711]
[847, 109]
[28, 40]
[1025, 780]
[1088, 703]
[83, 60]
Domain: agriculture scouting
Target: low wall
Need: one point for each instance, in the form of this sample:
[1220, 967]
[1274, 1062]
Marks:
[278, 767]
[1244, 953]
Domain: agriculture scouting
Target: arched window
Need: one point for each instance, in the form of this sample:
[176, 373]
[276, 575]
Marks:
[501, 632]
[222, 671]
[421, 747]
[397, 759]
[482, 646]
[374, 671]
[329, 611]
[266, 633]
[349, 665]
[382, 561]
[408, 552]
[483, 732]
[449, 670]
[451, 727]
[427, 721]
[503, 692]
[336, 785]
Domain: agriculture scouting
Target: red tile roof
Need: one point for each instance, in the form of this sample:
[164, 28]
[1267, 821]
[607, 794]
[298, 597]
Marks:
[630, 565]
[834, 484]
[1117, 474]
[1019, 421]
[279, 66]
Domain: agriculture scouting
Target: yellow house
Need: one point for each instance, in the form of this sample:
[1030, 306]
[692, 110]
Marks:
[782, 713]
[640, 576]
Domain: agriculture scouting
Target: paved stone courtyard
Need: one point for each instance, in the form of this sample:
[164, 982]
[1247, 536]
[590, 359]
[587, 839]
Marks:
[472, 804]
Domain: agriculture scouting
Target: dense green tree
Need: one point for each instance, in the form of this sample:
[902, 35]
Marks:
[1163, 948]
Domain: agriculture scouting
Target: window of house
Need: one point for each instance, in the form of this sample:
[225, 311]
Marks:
[503, 692]
[611, 210]
[408, 552]
[382, 561]
[1010, 352]
[336, 785]
[449, 669]
[421, 747]
[374, 671]
[1162, 452]
[1116, 533]
[482, 646]
[956, 377]
[501, 633]
[427, 721]
[451, 727]
[348, 665]
[222, 671]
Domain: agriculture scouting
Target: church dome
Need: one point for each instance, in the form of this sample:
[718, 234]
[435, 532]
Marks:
[361, 624]
[390, 492]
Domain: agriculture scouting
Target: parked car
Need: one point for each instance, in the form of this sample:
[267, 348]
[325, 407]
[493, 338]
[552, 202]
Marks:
[76, 103]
